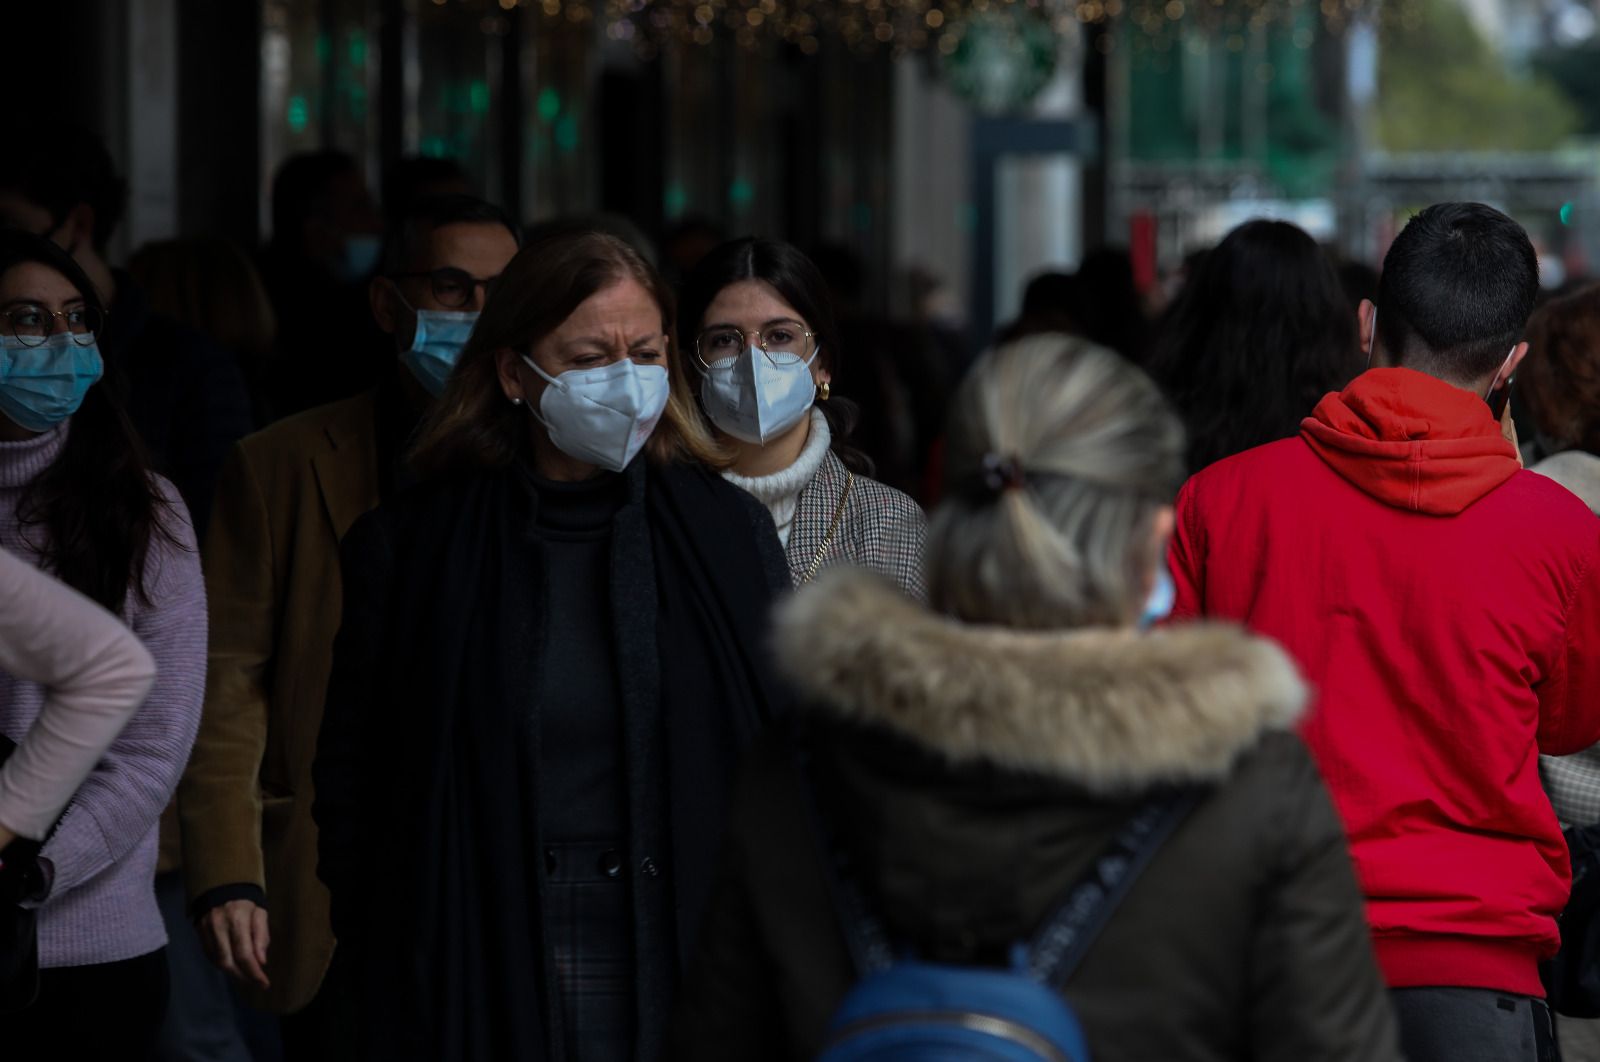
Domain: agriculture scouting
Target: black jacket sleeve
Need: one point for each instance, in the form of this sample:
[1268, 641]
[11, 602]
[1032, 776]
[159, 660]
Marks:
[1316, 994]
[346, 768]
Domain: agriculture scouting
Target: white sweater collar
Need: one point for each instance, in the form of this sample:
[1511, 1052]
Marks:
[786, 485]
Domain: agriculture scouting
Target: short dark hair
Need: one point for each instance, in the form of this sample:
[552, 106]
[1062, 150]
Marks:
[300, 189]
[68, 165]
[416, 177]
[410, 230]
[1456, 291]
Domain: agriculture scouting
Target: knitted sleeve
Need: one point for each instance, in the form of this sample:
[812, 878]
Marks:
[95, 674]
[123, 798]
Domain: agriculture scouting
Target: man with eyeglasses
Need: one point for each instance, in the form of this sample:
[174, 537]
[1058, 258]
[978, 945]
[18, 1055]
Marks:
[286, 498]
[185, 394]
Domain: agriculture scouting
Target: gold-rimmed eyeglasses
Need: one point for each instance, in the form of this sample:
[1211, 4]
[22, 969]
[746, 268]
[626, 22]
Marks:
[33, 325]
[783, 342]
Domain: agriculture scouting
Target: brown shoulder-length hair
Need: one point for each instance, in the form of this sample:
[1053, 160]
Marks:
[473, 426]
[1561, 377]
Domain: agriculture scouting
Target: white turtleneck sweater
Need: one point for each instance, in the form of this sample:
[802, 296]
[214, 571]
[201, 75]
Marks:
[780, 491]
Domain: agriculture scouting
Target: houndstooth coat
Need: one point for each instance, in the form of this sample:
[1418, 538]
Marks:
[878, 528]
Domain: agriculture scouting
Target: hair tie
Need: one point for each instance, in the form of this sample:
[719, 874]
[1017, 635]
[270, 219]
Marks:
[1002, 473]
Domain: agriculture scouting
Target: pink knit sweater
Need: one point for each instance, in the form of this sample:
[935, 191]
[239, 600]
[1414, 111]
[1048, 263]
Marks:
[102, 857]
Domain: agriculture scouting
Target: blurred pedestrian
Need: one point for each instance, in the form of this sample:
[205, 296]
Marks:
[185, 395]
[209, 284]
[552, 651]
[969, 760]
[1259, 333]
[1446, 606]
[326, 244]
[759, 326]
[1560, 380]
[76, 499]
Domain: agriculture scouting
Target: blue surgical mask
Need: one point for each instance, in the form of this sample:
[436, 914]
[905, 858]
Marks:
[436, 345]
[359, 259]
[1163, 596]
[42, 386]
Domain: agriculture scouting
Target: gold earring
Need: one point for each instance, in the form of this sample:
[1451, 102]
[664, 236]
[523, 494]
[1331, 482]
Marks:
[824, 390]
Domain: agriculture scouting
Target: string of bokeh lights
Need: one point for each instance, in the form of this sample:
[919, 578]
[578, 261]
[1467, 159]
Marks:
[938, 25]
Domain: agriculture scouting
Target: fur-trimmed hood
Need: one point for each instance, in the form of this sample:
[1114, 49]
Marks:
[1110, 710]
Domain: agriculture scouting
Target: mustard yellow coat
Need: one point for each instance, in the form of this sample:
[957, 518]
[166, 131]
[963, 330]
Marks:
[285, 498]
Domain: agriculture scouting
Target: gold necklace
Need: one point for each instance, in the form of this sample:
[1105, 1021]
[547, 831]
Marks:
[833, 529]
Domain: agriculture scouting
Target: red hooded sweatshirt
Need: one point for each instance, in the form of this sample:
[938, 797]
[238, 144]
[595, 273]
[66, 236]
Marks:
[1445, 605]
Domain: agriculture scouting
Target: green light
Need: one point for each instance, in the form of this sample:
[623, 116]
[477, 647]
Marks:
[549, 104]
[435, 147]
[324, 48]
[358, 48]
[567, 134]
[741, 193]
[675, 200]
[478, 96]
[861, 214]
[1566, 213]
[299, 114]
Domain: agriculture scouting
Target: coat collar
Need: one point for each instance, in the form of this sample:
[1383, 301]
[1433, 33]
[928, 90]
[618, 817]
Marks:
[1107, 710]
[346, 462]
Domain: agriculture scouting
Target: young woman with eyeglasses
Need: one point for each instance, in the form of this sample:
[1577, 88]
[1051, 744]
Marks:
[77, 499]
[756, 320]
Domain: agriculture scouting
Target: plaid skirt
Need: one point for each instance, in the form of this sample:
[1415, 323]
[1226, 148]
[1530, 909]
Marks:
[589, 926]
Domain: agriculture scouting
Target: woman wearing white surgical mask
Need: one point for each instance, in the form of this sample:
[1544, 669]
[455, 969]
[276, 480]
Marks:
[757, 320]
[552, 653]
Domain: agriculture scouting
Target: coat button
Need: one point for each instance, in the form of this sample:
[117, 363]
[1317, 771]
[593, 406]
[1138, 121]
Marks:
[649, 869]
[610, 863]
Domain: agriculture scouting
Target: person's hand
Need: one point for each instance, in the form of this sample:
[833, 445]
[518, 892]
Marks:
[235, 937]
[6, 837]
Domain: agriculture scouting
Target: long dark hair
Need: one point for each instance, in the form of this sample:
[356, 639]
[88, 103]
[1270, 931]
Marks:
[797, 279]
[1260, 332]
[97, 504]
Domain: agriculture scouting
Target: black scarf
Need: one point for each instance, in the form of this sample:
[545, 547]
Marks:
[427, 793]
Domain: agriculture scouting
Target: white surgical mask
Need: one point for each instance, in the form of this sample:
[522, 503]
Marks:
[754, 400]
[603, 415]
[436, 345]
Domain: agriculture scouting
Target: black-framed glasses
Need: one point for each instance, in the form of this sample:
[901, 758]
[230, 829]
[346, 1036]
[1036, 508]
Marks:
[452, 287]
[783, 342]
[33, 325]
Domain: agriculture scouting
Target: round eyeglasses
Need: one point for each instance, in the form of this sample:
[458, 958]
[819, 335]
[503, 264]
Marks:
[784, 343]
[452, 287]
[33, 325]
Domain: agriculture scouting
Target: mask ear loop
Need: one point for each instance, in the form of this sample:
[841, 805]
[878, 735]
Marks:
[1495, 383]
[1372, 340]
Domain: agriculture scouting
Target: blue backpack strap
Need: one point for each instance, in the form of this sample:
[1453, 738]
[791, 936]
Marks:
[865, 934]
[1071, 929]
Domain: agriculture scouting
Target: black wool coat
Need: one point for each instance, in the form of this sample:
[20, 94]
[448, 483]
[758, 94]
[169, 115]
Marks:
[427, 792]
